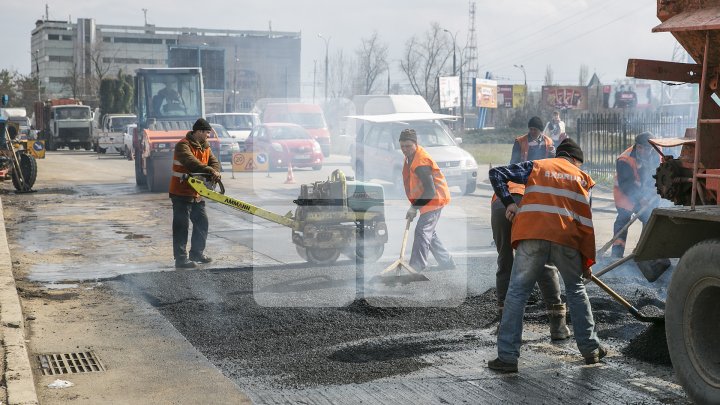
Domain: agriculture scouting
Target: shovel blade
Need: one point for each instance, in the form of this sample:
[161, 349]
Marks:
[653, 269]
[392, 280]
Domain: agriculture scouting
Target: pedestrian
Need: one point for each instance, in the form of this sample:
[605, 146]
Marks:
[553, 223]
[192, 155]
[555, 128]
[634, 190]
[427, 190]
[531, 146]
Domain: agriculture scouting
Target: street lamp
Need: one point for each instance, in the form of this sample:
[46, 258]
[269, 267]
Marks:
[327, 44]
[37, 73]
[521, 67]
[454, 47]
[462, 101]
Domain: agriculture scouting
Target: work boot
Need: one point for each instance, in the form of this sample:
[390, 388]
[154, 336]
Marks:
[201, 259]
[446, 266]
[184, 263]
[499, 365]
[558, 327]
[617, 251]
[596, 357]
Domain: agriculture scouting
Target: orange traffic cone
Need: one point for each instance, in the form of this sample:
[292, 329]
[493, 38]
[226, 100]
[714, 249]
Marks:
[290, 177]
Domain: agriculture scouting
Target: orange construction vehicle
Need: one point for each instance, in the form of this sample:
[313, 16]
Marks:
[690, 230]
[168, 101]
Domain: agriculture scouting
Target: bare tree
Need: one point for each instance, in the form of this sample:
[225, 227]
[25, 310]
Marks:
[372, 62]
[549, 75]
[341, 75]
[583, 76]
[73, 81]
[424, 61]
[101, 64]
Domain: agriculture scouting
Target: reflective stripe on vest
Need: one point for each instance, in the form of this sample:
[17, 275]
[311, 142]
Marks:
[413, 184]
[622, 200]
[178, 187]
[556, 208]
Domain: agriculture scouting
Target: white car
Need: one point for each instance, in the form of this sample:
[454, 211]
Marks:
[128, 141]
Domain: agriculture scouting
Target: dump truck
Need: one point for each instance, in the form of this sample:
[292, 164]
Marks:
[690, 230]
[64, 122]
[111, 138]
[168, 101]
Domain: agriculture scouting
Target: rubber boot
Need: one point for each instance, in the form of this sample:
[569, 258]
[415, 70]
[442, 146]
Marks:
[558, 327]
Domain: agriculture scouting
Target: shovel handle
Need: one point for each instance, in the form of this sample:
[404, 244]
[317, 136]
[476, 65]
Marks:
[633, 311]
[405, 238]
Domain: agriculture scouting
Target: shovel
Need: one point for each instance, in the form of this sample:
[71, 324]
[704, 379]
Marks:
[399, 264]
[633, 311]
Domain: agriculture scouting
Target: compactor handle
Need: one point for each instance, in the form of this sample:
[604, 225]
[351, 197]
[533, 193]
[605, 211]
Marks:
[206, 176]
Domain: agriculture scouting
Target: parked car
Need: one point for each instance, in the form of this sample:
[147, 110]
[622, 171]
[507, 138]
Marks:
[284, 144]
[228, 144]
[128, 141]
[376, 153]
[238, 125]
[309, 116]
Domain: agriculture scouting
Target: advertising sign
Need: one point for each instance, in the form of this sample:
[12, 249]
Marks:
[505, 96]
[518, 95]
[249, 162]
[486, 93]
[565, 97]
[449, 91]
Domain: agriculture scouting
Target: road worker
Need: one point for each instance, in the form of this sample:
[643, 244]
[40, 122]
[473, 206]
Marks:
[553, 223]
[192, 155]
[532, 146]
[427, 190]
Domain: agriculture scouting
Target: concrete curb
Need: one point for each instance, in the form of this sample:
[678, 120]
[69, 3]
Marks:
[18, 373]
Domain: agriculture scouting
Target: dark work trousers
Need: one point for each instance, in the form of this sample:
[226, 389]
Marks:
[623, 217]
[426, 241]
[548, 281]
[184, 212]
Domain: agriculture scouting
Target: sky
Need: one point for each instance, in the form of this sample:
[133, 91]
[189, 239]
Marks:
[563, 34]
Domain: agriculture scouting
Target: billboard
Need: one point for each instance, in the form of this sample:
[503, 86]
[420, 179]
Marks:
[486, 93]
[519, 92]
[565, 97]
[449, 91]
[510, 96]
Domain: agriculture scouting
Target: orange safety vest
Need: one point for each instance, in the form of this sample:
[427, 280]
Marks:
[524, 144]
[622, 200]
[414, 187]
[177, 186]
[556, 208]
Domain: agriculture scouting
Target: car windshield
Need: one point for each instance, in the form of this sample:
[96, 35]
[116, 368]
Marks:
[72, 113]
[431, 133]
[235, 122]
[282, 133]
[174, 95]
[119, 123]
[221, 131]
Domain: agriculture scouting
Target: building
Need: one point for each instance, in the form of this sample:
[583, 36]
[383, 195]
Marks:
[239, 67]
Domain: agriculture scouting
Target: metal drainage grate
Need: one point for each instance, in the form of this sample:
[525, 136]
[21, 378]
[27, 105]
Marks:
[69, 363]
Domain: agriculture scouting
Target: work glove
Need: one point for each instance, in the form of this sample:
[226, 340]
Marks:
[215, 176]
[412, 212]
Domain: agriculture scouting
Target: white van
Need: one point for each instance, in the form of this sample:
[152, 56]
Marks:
[238, 125]
[376, 154]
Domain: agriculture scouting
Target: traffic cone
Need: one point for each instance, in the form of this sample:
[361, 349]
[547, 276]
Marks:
[290, 177]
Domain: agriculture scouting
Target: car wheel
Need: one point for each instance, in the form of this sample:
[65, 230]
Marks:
[318, 167]
[470, 187]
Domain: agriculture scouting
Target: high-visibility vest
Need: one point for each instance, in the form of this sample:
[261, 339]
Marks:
[556, 208]
[524, 144]
[178, 187]
[621, 199]
[413, 184]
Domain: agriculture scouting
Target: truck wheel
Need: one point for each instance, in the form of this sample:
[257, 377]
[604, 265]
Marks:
[157, 181]
[322, 256]
[28, 167]
[140, 178]
[692, 322]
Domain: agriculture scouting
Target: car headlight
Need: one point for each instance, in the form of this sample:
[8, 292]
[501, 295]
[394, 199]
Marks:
[470, 163]
[316, 147]
[277, 147]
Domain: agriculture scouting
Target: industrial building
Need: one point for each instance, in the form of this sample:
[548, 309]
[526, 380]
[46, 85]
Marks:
[239, 67]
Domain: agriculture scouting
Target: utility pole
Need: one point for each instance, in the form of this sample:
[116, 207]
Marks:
[37, 74]
[314, 77]
[462, 102]
[145, 13]
[327, 44]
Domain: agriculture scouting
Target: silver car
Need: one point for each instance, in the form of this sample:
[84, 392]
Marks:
[376, 153]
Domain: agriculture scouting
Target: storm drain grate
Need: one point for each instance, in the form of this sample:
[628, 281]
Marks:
[69, 363]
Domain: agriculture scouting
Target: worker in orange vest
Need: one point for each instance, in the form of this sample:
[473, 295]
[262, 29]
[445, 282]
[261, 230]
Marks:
[531, 146]
[553, 222]
[427, 190]
[634, 187]
[192, 155]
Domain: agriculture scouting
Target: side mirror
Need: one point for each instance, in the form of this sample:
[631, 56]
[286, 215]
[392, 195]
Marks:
[458, 140]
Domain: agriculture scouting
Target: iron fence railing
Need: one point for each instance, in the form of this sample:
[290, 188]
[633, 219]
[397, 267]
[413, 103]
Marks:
[603, 137]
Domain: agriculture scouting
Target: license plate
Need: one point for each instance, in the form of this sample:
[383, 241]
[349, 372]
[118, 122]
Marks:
[452, 172]
[302, 156]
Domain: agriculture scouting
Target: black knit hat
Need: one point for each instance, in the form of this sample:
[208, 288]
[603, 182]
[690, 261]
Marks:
[643, 138]
[408, 135]
[201, 125]
[536, 122]
[569, 148]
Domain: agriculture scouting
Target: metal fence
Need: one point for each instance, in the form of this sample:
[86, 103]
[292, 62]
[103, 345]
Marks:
[603, 137]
